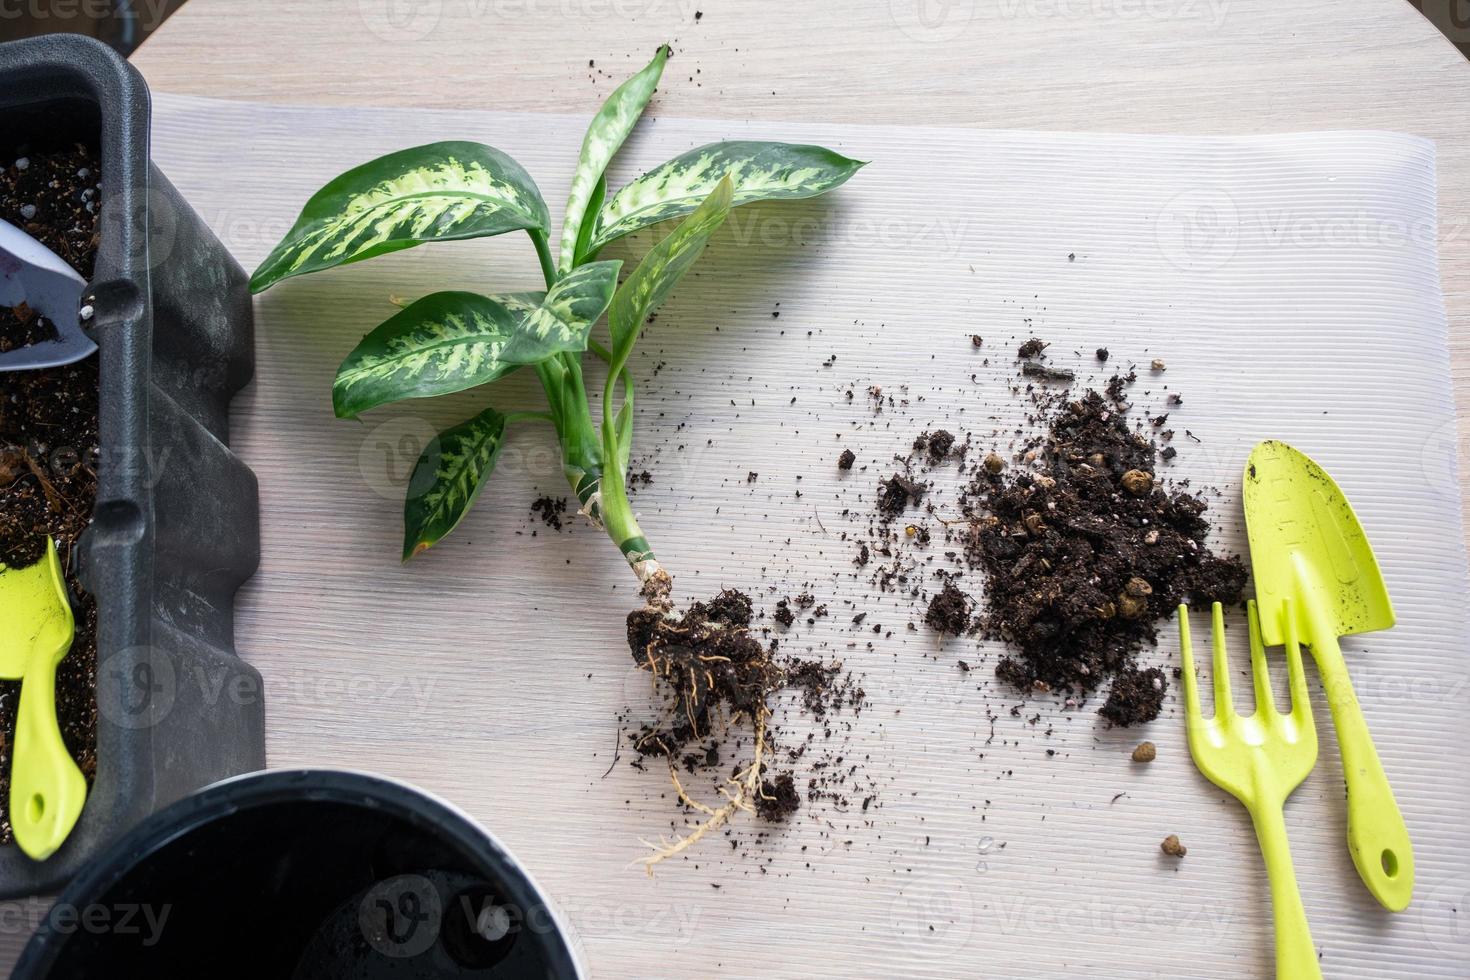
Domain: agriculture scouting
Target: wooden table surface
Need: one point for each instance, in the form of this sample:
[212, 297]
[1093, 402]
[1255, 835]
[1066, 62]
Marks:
[1150, 66]
[1153, 66]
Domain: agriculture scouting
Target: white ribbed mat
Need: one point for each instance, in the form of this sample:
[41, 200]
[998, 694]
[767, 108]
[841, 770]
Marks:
[1290, 284]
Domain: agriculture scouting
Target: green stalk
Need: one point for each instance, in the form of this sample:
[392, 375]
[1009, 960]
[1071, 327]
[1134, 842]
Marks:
[543, 253]
[593, 466]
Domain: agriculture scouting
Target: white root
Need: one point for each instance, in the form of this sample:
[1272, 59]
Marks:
[746, 785]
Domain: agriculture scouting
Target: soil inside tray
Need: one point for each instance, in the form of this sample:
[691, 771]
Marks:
[49, 440]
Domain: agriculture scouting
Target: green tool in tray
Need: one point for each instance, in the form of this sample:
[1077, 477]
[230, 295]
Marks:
[46, 787]
[1312, 562]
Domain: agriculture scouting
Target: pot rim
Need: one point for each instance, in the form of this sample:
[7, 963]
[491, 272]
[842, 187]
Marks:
[334, 784]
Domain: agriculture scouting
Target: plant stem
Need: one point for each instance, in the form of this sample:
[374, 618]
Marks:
[593, 466]
[543, 252]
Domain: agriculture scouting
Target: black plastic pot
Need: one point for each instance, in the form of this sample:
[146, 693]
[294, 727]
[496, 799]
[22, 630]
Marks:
[176, 528]
[303, 874]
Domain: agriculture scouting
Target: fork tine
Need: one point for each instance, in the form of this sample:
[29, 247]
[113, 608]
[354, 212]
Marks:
[1301, 702]
[1224, 708]
[1186, 657]
[1260, 673]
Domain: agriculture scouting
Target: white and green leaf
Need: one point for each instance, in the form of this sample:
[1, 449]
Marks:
[605, 135]
[650, 283]
[451, 341]
[759, 171]
[439, 192]
[447, 478]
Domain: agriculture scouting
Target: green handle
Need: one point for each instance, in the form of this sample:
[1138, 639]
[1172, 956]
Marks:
[1377, 837]
[1296, 957]
[46, 787]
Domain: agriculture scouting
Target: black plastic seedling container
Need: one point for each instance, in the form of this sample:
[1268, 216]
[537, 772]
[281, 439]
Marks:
[175, 529]
[314, 875]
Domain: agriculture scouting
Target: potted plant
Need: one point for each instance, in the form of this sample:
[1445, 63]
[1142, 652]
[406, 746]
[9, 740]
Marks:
[163, 516]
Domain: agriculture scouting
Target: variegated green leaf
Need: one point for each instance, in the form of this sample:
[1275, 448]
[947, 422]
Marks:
[760, 171]
[448, 477]
[662, 268]
[451, 341]
[438, 192]
[609, 128]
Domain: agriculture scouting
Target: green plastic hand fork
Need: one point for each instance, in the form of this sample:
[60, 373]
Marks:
[1259, 759]
[1308, 547]
[46, 787]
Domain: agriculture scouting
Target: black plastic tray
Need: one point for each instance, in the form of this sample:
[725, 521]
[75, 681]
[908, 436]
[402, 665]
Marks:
[176, 528]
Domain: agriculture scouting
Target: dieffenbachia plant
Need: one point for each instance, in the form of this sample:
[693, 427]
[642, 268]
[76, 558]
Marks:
[452, 341]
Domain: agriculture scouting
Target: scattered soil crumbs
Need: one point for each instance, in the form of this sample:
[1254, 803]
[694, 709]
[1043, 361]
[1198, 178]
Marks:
[48, 440]
[896, 494]
[949, 611]
[551, 510]
[935, 445]
[778, 799]
[845, 461]
[1084, 551]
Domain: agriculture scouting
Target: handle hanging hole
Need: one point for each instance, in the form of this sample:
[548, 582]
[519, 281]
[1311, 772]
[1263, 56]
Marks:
[1390, 862]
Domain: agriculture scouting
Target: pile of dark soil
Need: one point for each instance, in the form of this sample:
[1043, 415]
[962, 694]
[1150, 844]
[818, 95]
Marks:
[1084, 550]
[48, 440]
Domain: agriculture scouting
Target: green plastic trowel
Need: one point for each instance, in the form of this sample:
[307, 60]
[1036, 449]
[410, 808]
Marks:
[47, 788]
[1311, 560]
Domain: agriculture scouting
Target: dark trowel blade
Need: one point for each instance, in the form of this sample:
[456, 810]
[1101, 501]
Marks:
[32, 274]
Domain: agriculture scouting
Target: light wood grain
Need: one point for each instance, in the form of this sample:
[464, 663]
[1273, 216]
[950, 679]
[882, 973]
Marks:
[1104, 65]
[1152, 66]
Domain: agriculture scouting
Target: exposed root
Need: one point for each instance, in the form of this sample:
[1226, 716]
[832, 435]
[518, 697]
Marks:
[709, 668]
[746, 788]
